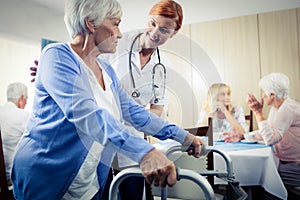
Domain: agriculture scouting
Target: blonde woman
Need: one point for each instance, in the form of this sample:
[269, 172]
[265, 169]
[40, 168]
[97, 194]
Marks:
[226, 117]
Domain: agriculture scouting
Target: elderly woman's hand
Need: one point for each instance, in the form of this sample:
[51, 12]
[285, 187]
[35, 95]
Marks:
[233, 136]
[158, 169]
[218, 107]
[254, 104]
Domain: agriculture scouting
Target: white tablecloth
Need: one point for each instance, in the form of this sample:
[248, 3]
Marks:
[253, 164]
[251, 167]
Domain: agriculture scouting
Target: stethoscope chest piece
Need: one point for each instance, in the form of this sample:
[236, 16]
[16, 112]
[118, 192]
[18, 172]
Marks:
[135, 94]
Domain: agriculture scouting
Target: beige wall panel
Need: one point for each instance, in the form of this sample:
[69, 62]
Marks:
[185, 30]
[241, 58]
[239, 50]
[279, 46]
[209, 36]
[179, 86]
[206, 38]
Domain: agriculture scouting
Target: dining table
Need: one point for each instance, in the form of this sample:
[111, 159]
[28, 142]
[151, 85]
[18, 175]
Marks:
[254, 164]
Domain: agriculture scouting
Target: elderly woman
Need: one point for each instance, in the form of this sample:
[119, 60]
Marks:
[282, 128]
[78, 116]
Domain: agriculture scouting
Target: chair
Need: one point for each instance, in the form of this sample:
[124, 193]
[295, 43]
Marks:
[4, 192]
[249, 118]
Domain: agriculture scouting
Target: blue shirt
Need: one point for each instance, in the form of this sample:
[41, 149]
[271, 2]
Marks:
[65, 122]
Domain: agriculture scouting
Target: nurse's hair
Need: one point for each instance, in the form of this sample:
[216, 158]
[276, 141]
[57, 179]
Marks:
[76, 11]
[169, 9]
[277, 84]
[15, 90]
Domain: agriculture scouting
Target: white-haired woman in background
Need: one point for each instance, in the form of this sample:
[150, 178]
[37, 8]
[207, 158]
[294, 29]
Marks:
[282, 127]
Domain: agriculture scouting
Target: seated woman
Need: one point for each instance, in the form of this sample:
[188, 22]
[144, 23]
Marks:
[226, 117]
[282, 127]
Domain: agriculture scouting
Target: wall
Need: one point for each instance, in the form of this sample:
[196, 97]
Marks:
[23, 24]
[16, 58]
[237, 51]
[243, 49]
[30, 21]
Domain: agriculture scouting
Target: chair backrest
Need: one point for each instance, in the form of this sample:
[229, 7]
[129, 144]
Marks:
[4, 192]
[203, 131]
[249, 118]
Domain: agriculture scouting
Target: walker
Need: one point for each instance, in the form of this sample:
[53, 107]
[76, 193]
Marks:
[236, 192]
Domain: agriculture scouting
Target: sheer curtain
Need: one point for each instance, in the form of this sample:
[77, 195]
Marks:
[16, 58]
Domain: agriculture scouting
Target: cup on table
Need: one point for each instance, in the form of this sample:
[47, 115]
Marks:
[249, 137]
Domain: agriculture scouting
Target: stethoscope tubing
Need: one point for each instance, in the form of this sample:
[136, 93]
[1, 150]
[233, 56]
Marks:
[135, 92]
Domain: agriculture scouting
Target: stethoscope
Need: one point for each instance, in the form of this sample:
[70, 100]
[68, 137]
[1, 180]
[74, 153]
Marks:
[136, 92]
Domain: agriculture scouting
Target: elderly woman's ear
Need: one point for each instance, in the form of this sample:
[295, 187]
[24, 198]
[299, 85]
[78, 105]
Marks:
[90, 25]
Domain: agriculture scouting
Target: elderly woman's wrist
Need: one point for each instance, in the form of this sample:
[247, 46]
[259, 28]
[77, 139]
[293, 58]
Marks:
[188, 139]
[257, 112]
[259, 116]
[227, 113]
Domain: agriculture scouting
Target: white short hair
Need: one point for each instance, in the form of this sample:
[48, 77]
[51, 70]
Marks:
[15, 91]
[276, 83]
[76, 11]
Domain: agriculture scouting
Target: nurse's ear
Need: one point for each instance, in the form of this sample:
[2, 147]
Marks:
[90, 25]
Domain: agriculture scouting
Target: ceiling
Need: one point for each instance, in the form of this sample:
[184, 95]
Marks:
[194, 10]
[35, 19]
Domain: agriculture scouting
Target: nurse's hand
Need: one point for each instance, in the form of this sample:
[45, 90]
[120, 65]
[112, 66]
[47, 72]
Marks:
[158, 169]
[33, 70]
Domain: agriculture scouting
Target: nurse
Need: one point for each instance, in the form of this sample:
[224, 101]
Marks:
[142, 70]
[138, 56]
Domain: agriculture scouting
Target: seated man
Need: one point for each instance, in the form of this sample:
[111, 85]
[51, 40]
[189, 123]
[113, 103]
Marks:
[13, 119]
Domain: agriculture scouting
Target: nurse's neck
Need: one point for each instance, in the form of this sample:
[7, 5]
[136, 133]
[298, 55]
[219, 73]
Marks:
[147, 51]
[145, 55]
